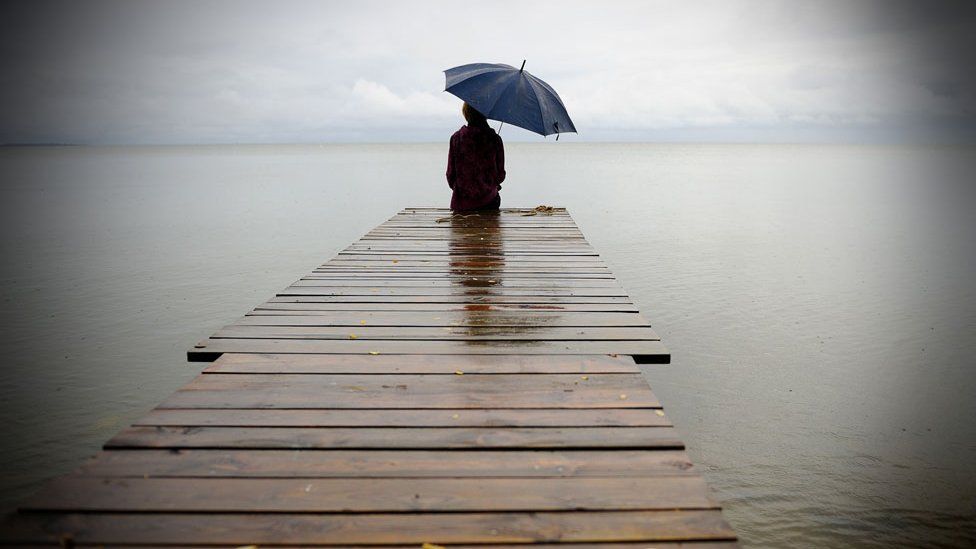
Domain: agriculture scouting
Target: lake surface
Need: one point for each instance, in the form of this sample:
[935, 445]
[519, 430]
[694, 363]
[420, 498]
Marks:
[818, 300]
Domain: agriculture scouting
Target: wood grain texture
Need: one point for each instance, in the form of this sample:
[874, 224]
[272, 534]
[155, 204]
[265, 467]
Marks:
[383, 529]
[364, 438]
[643, 351]
[423, 417]
[414, 391]
[220, 463]
[244, 363]
[378, 495]
[488, 319]
[468, 380]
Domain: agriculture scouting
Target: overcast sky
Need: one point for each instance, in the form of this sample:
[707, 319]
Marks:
[235, 71]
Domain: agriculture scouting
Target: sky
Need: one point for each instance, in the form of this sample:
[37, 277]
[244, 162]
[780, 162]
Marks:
[173, 72]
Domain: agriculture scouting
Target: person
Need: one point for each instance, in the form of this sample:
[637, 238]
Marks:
[475, 164]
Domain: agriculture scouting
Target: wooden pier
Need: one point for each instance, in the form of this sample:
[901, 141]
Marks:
[453, 380]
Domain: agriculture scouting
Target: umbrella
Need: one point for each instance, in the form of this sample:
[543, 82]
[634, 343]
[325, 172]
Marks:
[502, 92]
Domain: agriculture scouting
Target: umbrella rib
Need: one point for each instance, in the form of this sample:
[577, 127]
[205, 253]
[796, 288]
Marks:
[555, 96]
[499, 96]
[543, 106]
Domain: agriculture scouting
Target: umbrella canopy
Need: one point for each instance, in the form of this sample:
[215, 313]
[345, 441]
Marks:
[502, 92]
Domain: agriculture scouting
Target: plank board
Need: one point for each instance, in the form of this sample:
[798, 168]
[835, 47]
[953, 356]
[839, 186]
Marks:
[643, 351]
[414, 391]
[471, 332]
[377, 495]
[419, 417]
[295, 304]
[226, 463]
[482, 281]
[420, 364]
[464, 291]
[365, 438]
[382, 529]
[493, 319]
[468, 380]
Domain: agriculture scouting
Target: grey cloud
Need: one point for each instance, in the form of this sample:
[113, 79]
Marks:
[221, 71]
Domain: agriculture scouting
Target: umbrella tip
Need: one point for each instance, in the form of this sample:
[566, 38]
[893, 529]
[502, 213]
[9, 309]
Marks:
[523, 66]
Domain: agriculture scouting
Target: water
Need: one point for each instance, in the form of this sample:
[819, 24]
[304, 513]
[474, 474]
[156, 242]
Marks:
[818, 301]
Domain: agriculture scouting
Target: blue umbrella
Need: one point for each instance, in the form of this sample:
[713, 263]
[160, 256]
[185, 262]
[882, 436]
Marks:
[502, 92]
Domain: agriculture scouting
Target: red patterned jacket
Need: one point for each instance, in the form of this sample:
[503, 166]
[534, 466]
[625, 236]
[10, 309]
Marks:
[475, 167]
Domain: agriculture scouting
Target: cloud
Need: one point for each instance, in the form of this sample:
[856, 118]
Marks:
[220, 71]
[372, 101]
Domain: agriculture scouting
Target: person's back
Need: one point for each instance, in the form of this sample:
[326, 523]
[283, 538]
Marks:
[475, 164]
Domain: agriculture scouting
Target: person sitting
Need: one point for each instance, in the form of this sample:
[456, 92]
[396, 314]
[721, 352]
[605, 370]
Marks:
[475, 164]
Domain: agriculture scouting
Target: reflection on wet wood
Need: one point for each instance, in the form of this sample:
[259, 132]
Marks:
[467, 380]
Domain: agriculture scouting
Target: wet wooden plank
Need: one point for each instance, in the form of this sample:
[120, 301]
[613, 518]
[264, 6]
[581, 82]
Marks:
[291, 304]
[419, 273]
[497, 319]
[388, 463]
[446, 417]
[644, 352]
[414, 391]
[462, 290]
[475, 332]
[474, 259]
[421, 364]
[392, 528]
[490, 280]
[492, 262]
[376, 495]
[476, 297]
[364, 438]
[453, 249]
[596, 545]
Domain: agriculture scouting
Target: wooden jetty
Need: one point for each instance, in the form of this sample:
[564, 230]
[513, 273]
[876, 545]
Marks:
[454, 380]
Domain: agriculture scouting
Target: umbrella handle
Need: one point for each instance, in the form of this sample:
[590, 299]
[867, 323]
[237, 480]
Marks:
[499, 130]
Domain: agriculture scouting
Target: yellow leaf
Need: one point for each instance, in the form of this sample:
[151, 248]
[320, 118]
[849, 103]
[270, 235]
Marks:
[458, 373]
[623, 397]
[659, 412]
[373, 353]
[584, 378]
[352, 336]
[362, 322]
[455, 416]
[396, 260]
[431, 546]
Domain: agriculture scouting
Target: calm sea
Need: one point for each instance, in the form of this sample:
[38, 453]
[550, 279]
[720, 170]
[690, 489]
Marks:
[819, 301]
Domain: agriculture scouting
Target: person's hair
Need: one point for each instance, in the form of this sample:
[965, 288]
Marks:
[473, 117]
